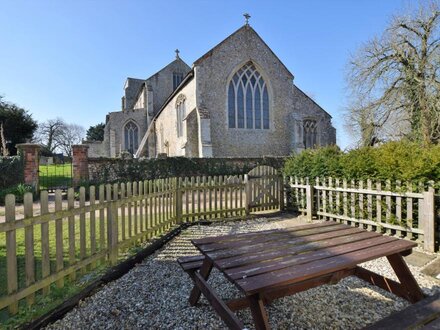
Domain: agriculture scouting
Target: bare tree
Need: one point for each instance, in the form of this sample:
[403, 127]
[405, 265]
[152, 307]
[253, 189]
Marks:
[58, 136]
[394, 81]
[49, 133]
[72, 134]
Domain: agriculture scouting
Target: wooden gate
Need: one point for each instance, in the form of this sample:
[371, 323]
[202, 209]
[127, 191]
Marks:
[264, 189]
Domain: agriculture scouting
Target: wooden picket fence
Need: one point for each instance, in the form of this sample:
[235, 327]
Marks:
[97, 224]
[402, 209]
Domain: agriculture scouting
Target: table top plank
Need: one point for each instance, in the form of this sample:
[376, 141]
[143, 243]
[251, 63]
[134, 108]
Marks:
[317, 268]
[240, 236]
[258, 268]
[297, 245]
[269, 237]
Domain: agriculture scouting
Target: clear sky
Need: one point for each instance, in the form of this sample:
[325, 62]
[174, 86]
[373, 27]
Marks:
[70, 58]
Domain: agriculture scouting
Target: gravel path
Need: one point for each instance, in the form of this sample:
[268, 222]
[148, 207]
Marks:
[154, 294]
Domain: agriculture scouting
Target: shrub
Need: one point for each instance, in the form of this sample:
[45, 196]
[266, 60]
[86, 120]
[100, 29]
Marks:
[18, 190]
[11, 171]
[315, 163]
[397, 160]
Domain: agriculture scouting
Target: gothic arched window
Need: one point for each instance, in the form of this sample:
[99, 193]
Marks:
[248, 99]
[310, 133]
[180, 114]
[131, 137]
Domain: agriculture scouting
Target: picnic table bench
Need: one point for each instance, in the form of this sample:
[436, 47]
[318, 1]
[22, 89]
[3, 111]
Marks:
[423, 315]
[271, 264]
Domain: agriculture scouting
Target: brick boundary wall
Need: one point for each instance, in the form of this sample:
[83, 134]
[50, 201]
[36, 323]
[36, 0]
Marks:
[80, 163]
[30, 154]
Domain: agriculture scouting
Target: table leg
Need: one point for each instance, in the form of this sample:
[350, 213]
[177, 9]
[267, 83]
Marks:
[259, 313]
[407, 280]
[205, 270]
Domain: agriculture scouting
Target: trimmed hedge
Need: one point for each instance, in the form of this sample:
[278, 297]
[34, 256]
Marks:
[398, 160]
[112, 170]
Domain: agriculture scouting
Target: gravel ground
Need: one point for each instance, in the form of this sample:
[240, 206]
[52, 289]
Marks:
[154, 294]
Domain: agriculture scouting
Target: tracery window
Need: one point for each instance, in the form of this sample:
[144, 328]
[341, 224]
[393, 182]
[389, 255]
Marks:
[248, 99]
[131, 137]
[310, 133]
[180, 113]
[177, 79]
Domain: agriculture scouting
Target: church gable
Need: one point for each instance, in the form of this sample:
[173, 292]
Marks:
[238, 100]
[249, 43]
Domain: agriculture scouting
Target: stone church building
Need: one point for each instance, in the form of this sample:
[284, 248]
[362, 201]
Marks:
[237, 100]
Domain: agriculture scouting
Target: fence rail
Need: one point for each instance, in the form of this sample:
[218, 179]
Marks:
[404, 210]
[98, 223]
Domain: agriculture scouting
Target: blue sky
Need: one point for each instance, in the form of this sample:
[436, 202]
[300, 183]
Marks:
[69, 59]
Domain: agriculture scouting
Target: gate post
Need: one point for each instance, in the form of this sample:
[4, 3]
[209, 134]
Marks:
[309, 200]
[428, 220]
[30, 155]
[247, 193]
[80, 163]
[178, 202]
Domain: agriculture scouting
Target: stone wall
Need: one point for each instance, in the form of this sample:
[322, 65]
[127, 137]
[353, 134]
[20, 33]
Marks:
[103, 170]
[213, 72]
[166, 125]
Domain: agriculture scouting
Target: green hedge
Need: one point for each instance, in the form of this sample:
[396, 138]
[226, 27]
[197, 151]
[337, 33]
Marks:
[402, 160]
[11, 171]
[112, 170]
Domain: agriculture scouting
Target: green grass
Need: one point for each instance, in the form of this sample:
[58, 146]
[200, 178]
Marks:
[57, 295]
[55, 175]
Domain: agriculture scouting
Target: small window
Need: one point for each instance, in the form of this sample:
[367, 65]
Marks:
[177, 79]
[310, 133]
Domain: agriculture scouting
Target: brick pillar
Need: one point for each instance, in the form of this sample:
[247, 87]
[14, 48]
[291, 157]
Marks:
[80, 162]
[30, 155]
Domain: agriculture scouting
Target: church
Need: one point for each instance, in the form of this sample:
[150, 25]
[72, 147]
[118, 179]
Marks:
[237, 100]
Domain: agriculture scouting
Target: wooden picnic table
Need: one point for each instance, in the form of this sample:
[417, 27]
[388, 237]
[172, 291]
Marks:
[270, 264]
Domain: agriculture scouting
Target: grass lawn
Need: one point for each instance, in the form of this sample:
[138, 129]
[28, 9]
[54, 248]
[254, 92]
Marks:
[57, 295]
[55, 175]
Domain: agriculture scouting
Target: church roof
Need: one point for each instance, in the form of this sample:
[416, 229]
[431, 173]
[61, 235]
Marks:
[146, 81]
[312, 100]
[243, 28]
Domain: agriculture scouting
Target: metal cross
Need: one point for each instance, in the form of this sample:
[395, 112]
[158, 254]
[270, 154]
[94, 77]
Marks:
[246, 16]
[177, 53]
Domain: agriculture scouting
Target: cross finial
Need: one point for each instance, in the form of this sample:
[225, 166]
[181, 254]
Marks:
[177, 53]
[246, 17]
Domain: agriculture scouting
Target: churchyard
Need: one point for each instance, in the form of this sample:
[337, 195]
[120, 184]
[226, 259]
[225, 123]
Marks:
[54, 249]
[215, 194]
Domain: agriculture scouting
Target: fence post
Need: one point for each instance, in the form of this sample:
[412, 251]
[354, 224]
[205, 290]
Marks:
[309, 200]
[428, 220]
[11, 252]
[281, 181]
[112, 234]
[178, 203]
[247, 193]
